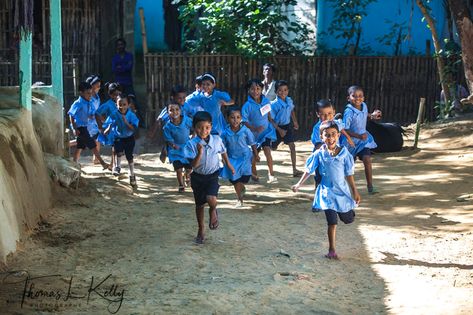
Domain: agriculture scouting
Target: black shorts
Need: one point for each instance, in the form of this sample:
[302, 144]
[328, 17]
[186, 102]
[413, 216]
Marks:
[266, 143]
[84, 140]
[345, 217]
[244, 180]
[125, 144]
[363, 153]
[288, 138]
[203, 186]
[179, 165]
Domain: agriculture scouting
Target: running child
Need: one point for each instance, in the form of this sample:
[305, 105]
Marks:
[176, 134]
[210, 100]
[178, 96]
[79, 114]
[336, 166]
[92, 126]
[238, 139]
[354, 119]
[203, 151]
[256, 115]
[124, 125]
[285, 121]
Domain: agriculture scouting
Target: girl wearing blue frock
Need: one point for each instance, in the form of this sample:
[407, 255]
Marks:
[336, 167]
[210, 100]
[354, 119]
[176, 134]
[238, 139]
[256, 115]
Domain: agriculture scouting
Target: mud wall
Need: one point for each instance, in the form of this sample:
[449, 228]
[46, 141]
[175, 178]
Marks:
[25, 186]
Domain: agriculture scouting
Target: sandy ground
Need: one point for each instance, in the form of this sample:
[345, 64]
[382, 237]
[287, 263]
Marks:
[409, 251]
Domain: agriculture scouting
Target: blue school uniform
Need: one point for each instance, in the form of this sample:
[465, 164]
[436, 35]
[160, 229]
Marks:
[164, 116]
[188, 97]
[354, 120]
[251, 114]
[209, 162]
[179, 135]
[81, 110]
[281, 111]
[315, 137]
[333, 191]
[122, 66]
[92, 126]
[109, 138]
[107, 108]
[121, 130]
[209, 104]
[239, 152]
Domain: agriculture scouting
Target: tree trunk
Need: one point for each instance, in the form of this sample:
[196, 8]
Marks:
[436, 41]
[462, 17]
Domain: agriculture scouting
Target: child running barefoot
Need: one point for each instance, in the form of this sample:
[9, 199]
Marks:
[354, 119]
[256, 115]
[333, 196]
[237, 138]
[285, 121]
[124, 125]
[203, 151]
[176, 135]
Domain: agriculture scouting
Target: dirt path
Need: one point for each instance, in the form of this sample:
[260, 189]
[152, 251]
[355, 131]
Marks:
[409, 252]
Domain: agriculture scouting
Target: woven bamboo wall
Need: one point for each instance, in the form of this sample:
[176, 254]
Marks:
[392, 84]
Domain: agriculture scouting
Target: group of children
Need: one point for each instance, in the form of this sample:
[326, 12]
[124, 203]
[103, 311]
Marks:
[112, 123]
[205, 129]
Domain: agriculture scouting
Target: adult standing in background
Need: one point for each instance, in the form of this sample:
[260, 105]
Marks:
[269, 83]
[122, 67]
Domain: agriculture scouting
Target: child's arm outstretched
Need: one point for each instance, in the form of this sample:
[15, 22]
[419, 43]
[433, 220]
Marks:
[255, 153]
[227, 162]
[301, 181]
[349, 139]
[225, 103]
[354, 191]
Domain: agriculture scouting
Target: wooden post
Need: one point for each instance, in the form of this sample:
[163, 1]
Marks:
[143, 31]
[420, 117]
[75, 74]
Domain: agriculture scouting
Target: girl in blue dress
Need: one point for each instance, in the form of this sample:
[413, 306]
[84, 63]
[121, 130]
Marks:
[336, 166]
[354, 119]
[176, 134]
[210, 100]
[238, 139]
[256, 115]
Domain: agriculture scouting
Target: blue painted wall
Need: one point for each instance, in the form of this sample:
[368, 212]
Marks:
[375, 25]
[154, 20]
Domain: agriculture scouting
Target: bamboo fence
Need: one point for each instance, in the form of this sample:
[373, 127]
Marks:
[392, 84]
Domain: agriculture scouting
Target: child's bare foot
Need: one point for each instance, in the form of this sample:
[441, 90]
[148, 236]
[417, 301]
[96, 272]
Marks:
[213, 224]
[199, 239]
[331, 255]
[181, 189]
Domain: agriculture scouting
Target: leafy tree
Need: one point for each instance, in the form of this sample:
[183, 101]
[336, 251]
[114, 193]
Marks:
[246, 27]
[346, 23]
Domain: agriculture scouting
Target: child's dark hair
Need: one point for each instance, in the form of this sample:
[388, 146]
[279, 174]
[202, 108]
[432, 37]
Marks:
[201, 116]
[92, 79]
[113, 87]
[83, 86]
[323, 103]
[352, 89]
[280, 83]
[208, 77]
[231, 109]
[173, 103]
[328, 124]
[177, 89]
[254, 81]
[270, 65]
[123, 96]
[198, 80]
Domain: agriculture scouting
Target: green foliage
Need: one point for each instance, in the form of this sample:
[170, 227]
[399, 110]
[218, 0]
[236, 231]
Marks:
[254, 28]
[444, 110]
[346, 23]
